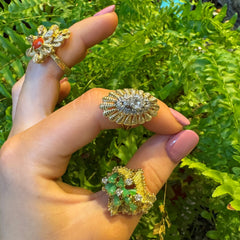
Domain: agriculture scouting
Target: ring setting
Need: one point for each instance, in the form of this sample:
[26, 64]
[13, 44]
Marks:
[127, 193]
[45, 44]
[129, 107]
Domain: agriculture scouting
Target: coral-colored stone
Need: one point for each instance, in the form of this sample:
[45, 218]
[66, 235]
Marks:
[37, 43]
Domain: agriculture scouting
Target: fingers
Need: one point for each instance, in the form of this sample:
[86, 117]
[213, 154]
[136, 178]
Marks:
[77, 124]
[160, 155]
[157, 157]
[15, 95]
[40, 90]
[65, 89]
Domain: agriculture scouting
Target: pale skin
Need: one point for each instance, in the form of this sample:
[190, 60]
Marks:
[34, 203]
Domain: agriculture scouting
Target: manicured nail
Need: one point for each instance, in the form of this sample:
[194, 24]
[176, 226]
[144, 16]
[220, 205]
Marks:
[179, 117]
[108, 9]
[181, 144]
[63, 80]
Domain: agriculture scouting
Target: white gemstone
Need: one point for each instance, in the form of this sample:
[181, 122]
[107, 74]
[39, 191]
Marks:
[138, 197]
[119, 192]
[128, 181]
[48, 34]
[105, 180]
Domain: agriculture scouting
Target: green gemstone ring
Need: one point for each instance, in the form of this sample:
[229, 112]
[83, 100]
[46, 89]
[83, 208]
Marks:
[126, 189]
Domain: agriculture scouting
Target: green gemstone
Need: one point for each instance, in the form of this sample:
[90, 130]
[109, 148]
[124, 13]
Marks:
[120, 183]
[132, 206]
[127, 200]
[110, 188]
[116, 201]
[125, 192]
[132, 191]
[113, 178]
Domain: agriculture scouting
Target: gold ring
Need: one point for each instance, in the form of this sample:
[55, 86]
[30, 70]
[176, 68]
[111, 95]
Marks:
[45, 44]
[129, 107]
[127, 192]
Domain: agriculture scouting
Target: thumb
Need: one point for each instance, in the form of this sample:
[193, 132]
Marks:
[160, 155]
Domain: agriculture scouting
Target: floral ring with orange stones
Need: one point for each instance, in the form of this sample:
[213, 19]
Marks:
[127, 192]
[45, 44]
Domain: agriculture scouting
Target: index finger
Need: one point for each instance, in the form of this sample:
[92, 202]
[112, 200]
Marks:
[77, 124]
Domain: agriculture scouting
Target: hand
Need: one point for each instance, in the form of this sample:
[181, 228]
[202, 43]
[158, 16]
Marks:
[34, 203]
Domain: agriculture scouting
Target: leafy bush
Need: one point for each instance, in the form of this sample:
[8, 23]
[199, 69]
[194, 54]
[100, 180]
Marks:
[187, 58]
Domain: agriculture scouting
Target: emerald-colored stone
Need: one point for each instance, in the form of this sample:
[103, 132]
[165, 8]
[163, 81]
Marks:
[132, 206]
[132, 191]
[112, 178]
[116, 201]
[110, 188]
[127, 200]
[125, 192]
[120, 183]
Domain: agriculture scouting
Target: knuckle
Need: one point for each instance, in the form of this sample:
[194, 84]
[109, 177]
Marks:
[95, 92]
[154, 180]
[8, 154]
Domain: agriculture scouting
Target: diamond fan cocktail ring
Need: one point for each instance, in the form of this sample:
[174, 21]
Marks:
[129, 107]
[46, 43]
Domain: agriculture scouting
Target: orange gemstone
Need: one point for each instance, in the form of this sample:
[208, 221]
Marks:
[37, 43]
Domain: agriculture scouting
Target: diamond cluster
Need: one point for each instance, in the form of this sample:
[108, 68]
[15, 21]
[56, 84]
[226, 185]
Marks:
[129, 106]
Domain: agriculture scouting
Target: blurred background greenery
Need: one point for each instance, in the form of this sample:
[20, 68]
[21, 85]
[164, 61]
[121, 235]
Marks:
[185, 54]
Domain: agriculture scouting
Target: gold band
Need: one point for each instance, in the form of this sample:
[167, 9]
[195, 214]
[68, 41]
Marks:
[60, 63]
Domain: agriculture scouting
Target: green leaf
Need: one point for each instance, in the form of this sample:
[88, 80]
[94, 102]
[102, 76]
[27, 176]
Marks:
[9, 47]
[18, 68]
[236, 170]
[4, 91]
[8, 76]
[222, 190]
[236, 204]
[205, 214]
[212, 234]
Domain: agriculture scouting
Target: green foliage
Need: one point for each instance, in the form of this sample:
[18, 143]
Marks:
[180, 54]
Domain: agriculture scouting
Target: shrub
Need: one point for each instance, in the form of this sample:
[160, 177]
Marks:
[185, 57]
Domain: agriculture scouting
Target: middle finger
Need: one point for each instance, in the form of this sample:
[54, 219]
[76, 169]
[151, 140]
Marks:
[40, 91]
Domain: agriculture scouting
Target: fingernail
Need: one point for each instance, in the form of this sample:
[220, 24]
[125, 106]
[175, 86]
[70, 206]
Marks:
[179, 117]
[63, 80]
[108, 9]
[181, 144]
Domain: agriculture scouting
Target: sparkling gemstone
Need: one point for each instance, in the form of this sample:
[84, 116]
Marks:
[113, 177]
[120, 183]
[128, 181]
[127, 200]
[116, 201]
[119, 192]
[125, 192]
[105, 180]
[138, 197]
[132, 192]
[37, 43]
[132, 206]
[110, 188]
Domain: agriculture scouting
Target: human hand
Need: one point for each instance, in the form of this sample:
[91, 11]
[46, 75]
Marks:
[34, 203]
